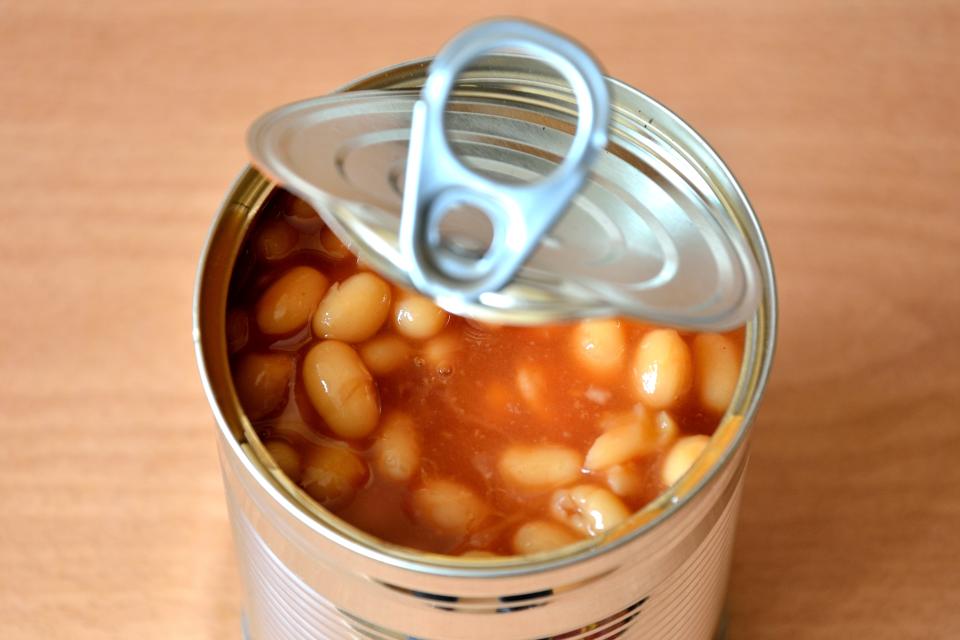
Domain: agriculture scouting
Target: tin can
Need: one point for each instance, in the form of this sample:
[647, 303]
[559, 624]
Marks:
[307, 574]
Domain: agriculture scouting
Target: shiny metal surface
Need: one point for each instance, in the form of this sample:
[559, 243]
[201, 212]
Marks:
[297, 587]
[650, 234]
[309, 575]
[519, 215]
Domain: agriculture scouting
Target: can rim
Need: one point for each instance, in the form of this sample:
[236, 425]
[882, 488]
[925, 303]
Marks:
[759, 353]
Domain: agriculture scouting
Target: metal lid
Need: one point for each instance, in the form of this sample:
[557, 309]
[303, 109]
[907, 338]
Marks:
[644, 235]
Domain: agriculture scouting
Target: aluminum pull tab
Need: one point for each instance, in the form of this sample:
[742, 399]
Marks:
[437, 182]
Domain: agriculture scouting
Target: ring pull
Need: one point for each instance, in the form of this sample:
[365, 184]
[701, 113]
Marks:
[437, 182]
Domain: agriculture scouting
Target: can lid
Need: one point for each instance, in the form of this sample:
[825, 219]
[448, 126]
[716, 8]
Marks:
[613, 221]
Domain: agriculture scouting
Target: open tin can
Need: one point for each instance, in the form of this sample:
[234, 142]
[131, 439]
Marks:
[308, 574]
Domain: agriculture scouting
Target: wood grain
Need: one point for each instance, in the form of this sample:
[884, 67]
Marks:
[121, 126]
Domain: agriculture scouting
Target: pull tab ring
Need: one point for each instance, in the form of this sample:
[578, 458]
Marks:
[437, 181]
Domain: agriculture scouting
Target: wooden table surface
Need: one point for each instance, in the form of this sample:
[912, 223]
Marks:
[122, 125]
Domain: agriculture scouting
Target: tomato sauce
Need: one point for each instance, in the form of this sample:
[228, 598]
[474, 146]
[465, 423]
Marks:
[472, 390]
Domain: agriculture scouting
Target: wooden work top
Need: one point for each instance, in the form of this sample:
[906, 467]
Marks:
[122, 126]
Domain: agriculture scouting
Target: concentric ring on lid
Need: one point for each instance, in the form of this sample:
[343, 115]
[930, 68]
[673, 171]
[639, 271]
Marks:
[647, 236]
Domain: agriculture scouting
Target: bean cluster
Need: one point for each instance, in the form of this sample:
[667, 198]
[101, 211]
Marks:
[450, 435]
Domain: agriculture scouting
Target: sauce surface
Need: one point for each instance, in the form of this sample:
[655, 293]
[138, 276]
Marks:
[483, 439]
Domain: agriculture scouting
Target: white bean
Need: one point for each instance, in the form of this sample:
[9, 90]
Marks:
[286, 458]
[289, 302]
[662, 368]
[303, 217]
[717, 370]
[416, 317]
[540, 536]
[332, 475]
[615, 419]
[589, 509]
[539, 467]
[681, 457]
[625, 480]
[599, 346]
[262, 381]
[449, 506]
[440, 352]
[385, 354]
[667, 428]
[327, 244]
[341, 389]
[333, 247]
[635, 436]
[396, 450]
[353, 310]
[276, 240]
[532, 385]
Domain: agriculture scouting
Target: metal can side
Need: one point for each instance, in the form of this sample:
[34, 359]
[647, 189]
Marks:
[308, 575]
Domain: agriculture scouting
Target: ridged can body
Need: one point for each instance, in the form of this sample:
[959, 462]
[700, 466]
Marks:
[305, 574]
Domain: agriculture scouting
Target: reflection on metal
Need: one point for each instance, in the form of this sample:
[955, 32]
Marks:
[658, 229]
[662, 574]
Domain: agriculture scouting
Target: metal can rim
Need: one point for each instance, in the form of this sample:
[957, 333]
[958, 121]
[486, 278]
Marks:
[759, 352]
